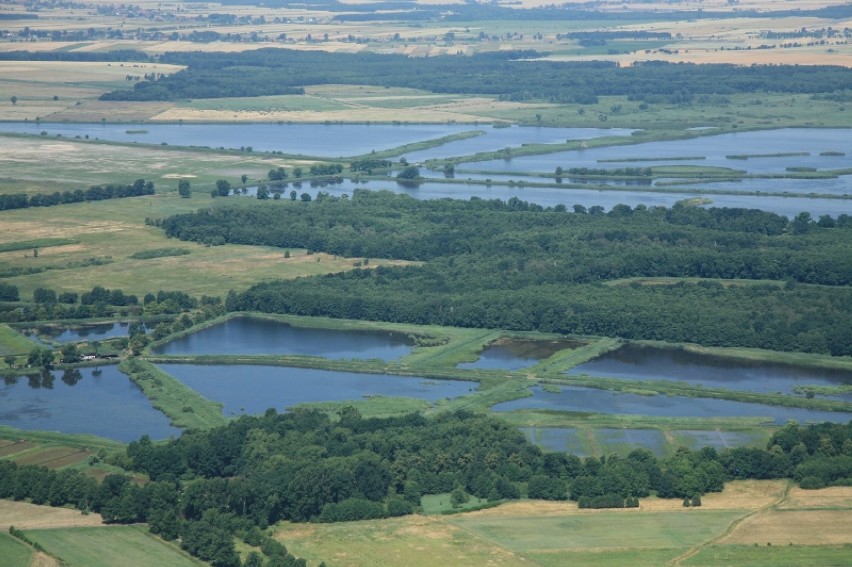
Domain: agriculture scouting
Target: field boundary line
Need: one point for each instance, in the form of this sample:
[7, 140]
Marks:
[480, 536]
[693, 551]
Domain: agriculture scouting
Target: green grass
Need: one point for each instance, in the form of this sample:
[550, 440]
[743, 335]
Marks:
[14, 552]
[29, 245]
[634, 530]
[114, 231]
[616, 558]
[13, 342]
[184, 407]
[266, 103]
[110, 546]
[441, 504]
[775, 556]
[48, 438]
[375, 406]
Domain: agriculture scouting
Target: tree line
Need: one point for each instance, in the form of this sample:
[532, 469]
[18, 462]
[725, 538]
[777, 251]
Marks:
[208, 487]
[94, 193]
[515, 265]
[510, 76]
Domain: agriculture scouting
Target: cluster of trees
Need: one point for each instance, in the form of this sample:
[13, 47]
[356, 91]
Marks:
[208, 536]
[518, 266]
[9, 292]
[617, 172]
[368, 165]
[209, 487]
[279, 71]
[94, 193]
[326, 169]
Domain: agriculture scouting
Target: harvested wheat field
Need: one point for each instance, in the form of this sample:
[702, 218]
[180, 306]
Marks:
[29, 516]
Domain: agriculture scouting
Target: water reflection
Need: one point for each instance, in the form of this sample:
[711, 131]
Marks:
[249, 335]
[105, 403]
[577, 399]
[254, 389]
[635, 362]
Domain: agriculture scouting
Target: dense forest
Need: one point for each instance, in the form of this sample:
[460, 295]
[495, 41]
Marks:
[513, 265]
[509, 75]
[208, 487]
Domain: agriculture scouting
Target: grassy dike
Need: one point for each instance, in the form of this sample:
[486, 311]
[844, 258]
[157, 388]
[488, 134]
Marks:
[184, 407]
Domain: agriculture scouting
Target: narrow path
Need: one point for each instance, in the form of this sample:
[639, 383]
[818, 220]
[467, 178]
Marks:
[691, 552]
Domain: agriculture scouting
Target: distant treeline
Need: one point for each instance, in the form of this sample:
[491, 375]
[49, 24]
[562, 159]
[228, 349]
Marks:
[518, 266]
[116, 55]
[94, 193]
[279, 71]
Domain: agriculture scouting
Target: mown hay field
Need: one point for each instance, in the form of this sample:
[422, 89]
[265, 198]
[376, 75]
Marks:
[111, 546]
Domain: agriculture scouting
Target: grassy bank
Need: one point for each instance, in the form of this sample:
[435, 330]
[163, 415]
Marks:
[184, 407]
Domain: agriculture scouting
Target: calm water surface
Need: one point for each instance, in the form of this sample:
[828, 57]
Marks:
[247, 335]
[325, 140]
[79, 401]
[550, 197]
[254, 389]
[94, 332]
[578, 399]
[634, 362]
[715, 150]
[513, 354]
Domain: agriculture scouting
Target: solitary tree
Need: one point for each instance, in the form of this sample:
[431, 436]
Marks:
[223, 188]
[9, 360]
[184, 189]
[14, 100]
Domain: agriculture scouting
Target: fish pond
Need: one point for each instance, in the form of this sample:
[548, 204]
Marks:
[635, 362]
[755, 152]
[321, 140]
[592, 400]
[78, 333]
[514, 354]
[255, 336]
[254, 389]
[101, 402]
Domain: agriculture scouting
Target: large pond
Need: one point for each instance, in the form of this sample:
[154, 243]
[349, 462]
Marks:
[592, 400]
[820, 148]
[248, 335]
[323, 140]
[551, 197]
[254, 389]
[93, 332]
[514, 354]
[100, 402]
[634, 362]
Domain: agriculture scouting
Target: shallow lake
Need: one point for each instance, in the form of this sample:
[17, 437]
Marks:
[576, 399]
[498, 138]
[254, 389]
[93, 332]
[634, 362]
[550, 197]
[80, 401]
[513, 354]
[323, 140]
[248, 335]
[715, 150]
